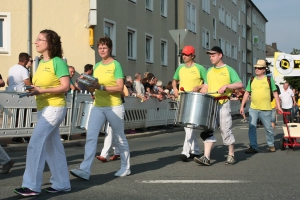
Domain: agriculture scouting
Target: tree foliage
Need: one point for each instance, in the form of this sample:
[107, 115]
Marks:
[294, 81]
[295, 51]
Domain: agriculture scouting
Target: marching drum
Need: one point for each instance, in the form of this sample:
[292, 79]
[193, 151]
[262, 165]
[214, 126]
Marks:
[84, 114]
[197, 110]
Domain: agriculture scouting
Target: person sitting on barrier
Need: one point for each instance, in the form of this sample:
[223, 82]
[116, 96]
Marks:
[261, 88]
[51, 81]
[192, 76]
[107, 107]
[88, 69]
[222, 80]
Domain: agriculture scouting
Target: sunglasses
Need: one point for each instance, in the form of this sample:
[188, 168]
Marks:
[259, 68]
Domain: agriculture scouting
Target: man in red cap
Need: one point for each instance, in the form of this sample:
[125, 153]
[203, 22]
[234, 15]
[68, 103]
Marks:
[221, 79]
[191, 77]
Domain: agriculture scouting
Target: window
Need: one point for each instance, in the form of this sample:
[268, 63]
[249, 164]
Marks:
[5, 33]
[191, 17]
[243, 56]
[228, 19]
[164, 52]
[239, 43]
[222, 43]
[149, 5]
[243, 6]
[243, 31]
[163, 8]
[109, 31]
[214, 28]
[234, 52]
[214, 2]
[206, 6]
[131, 43]
[221, 14]
[233, 24]
[149, 48]
[134, 1]
[234, 2]
[227, 49]
[205, 38]
[239, 18]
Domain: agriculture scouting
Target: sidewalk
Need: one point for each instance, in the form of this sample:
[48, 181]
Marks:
[78, 140]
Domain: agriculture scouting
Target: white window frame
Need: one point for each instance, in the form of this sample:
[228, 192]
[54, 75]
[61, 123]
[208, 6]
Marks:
[131, 45]
[234, 2]
[243, 31]
[243, 56]
[222, 43]
[151, 48]
[164, 52]
[228, 19]
[214, 28]
[164, 8]
[134, 1]
[191, 17]
[150, 5]
[233, 23]
[227, 49]
[214, 2]
[239, 40]
[206, 6]
[5, 48]
[205, 38]
[243, 6]
[112, 25]
[222, 14]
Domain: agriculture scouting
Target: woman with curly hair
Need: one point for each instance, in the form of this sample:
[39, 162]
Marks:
[50, 83]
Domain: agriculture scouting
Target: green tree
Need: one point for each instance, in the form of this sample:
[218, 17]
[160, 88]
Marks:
[294, 81]
[295, 51]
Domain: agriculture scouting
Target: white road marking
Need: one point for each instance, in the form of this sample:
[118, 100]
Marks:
[194, 181]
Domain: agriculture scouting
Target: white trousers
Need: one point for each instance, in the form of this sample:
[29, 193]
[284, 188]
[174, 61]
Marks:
[109, 142]
[45, 146]
[4, 158]
[115, 116]
[190, 144]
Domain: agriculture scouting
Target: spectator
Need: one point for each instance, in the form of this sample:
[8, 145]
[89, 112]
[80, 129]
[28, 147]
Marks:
[18, 75]
[72, 85]
[295, 108]
[260, 106]
[149, 85]
[287, 100]
[29, 68]
[129, 85]
[139, 88]
[88, 69]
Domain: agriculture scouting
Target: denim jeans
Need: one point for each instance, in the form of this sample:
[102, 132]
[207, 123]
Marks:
[265, 117]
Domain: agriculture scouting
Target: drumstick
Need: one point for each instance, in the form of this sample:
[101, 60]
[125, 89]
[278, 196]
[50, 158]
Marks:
[212, 92]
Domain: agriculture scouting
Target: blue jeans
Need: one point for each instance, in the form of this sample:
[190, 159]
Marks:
[265, 117]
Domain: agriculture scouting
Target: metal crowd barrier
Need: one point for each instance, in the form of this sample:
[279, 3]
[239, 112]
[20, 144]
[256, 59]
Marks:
[18, 116]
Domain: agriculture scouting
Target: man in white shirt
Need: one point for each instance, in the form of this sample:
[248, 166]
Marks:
[18, 75]
[287, 100]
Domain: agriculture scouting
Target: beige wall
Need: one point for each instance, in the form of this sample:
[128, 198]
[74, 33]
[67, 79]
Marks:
[68, 18]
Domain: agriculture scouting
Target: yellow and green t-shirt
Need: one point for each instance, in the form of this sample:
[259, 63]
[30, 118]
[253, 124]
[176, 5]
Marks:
[217, 77]
[260, 93]
[107, 75]
[190, 77]
[47, 75]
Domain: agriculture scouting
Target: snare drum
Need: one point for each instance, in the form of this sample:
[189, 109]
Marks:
[197, 110]
[84, 114]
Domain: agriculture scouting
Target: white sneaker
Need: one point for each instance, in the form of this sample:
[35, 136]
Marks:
[61, 139]
[122, 172]
[79, 173]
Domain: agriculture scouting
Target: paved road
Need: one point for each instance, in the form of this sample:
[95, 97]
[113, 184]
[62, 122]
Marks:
[157, 173]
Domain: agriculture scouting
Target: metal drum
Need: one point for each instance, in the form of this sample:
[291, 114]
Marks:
[84, 114]
[197, 110]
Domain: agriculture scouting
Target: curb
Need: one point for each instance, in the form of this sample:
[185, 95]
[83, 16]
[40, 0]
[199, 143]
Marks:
[81, 142]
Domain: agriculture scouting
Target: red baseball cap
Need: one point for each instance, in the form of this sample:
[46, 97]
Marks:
[188, 50]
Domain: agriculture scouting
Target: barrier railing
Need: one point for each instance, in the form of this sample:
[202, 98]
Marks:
[18, 116]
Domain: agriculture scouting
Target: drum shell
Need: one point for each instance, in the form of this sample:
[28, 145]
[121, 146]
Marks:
[197, 110]
[84, 114]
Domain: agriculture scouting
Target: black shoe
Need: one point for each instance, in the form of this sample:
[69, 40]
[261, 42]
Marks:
[192, 156]
[183, 157]
[251, 150]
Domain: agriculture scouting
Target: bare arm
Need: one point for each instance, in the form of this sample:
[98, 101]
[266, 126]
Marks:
[174, 85]
[246, 95]
[232, 86]
[27, 81]
[204, 89]
[275, 94]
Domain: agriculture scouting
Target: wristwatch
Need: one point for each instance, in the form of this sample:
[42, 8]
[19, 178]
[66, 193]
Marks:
[101, 87]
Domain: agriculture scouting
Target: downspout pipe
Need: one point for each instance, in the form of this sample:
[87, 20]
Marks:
[29, 41]
[176, 27]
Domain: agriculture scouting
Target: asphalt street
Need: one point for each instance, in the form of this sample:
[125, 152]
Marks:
[157, 172]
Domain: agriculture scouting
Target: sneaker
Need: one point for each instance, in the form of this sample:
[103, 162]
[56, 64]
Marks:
[79, 173]
[192, 156]
[101, 158]
[61, 139]
[203, 160]
[26, 192]
[272, 149]
[114, 157]
[6, 168]
[230, 160]
[251, 150]
[183, 157]
[122, 172]
[52, 190]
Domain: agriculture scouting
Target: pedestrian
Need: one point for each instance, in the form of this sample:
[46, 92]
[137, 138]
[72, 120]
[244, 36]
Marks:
[107, 107]
[260, 106]
[223, 79]
[73, 86]
[191, 76]
[50, 83]
[287, 100]
[88, 70]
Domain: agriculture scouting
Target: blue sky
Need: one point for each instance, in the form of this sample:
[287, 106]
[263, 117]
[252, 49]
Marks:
[283, 26]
